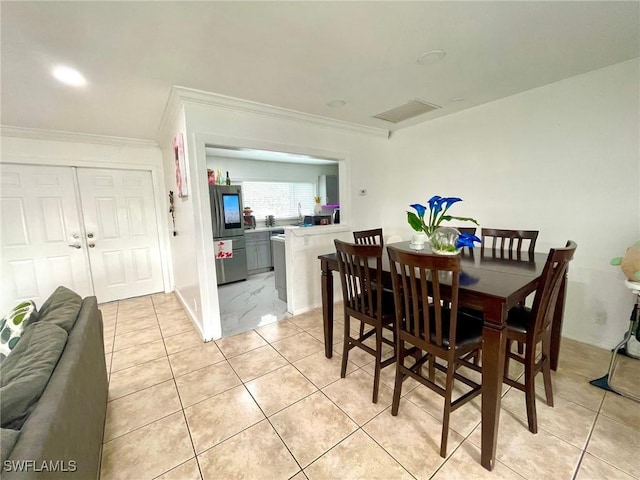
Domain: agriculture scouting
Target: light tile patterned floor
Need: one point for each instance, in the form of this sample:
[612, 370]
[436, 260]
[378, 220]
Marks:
[267, 404]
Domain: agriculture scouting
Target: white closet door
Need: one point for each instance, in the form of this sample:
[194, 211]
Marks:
[41, 234]
[121, 232]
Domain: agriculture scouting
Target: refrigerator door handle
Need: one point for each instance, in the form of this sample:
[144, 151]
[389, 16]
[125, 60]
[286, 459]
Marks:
[215, 198]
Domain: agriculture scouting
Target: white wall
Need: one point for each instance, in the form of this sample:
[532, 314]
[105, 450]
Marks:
[186, 253]
[563, 159]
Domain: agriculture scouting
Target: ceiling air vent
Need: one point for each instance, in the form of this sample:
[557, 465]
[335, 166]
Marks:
[410, 109]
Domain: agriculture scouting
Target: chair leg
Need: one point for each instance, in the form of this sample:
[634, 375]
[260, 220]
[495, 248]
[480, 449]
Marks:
[397, 387]
[345, 348]
[520, 348]
[546, 372]
[530, 395]
[506, 358]
[432, 368]
[376, 374]
[447, 409]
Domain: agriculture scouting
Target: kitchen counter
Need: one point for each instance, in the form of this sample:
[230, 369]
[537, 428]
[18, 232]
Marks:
[249, 231]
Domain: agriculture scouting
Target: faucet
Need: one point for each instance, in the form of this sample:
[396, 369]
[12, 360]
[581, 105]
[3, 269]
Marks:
[300, 219]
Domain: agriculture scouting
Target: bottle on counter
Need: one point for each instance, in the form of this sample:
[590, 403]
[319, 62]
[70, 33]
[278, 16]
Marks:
[228, 180]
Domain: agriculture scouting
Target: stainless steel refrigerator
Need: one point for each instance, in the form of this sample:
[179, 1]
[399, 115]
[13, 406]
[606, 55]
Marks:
[226, 218]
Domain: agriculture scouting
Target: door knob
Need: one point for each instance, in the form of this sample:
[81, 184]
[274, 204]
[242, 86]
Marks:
[91, 245]
[74, 245]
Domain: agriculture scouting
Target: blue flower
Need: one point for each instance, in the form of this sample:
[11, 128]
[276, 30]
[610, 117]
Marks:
[438, 207]
[419, 208]
[450, 201]
[466, 240]
[435, 205]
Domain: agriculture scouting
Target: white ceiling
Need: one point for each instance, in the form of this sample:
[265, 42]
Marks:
[296, 55]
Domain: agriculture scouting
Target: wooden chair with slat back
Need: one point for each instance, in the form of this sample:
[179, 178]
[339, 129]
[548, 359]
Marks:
[360, 268]
[369, 237]
[508, 243]
[533, 326]
[424, 324]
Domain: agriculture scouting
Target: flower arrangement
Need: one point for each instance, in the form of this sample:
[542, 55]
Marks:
[438, 207]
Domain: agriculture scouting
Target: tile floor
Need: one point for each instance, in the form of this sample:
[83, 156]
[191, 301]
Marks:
[250, 303]
[267, 404]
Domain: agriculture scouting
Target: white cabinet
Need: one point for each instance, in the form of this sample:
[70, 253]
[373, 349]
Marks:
[328, 189]
[258, 246]
[280, 267]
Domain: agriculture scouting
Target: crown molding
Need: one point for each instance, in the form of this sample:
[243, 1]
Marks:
[180, 95]
[59, 136]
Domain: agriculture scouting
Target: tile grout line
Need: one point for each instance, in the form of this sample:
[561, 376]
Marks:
[184, 415]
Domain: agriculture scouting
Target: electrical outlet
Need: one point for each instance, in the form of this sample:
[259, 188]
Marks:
[362, 192]
[601, 318]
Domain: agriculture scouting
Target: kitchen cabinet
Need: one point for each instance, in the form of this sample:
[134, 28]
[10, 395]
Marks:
[328, 189]
[258, 246]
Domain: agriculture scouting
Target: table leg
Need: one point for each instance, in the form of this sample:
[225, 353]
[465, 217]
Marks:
[556, 326]
[327, 308]
[493, 350]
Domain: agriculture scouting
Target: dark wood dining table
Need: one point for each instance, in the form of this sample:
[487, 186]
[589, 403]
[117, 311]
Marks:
[490, 284]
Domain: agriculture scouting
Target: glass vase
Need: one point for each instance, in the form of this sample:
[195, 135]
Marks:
[443, 241]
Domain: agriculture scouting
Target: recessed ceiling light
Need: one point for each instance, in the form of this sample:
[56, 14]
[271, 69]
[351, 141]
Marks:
[456, 99]
[69, 76]
[431, 57]
[336, 103]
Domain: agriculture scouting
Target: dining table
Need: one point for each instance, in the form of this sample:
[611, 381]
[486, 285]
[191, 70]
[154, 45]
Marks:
[490, 283]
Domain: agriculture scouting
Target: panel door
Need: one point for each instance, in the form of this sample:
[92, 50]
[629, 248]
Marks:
[121, 232]
[42, 244]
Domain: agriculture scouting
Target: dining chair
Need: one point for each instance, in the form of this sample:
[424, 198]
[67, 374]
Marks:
[360, 268]
[424, 324]
[369, 237]
[532, 326]
[508, 242]
[512, 242]
[469, 230]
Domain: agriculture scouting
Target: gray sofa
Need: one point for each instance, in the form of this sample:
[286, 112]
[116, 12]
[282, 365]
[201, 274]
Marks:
[57, 434]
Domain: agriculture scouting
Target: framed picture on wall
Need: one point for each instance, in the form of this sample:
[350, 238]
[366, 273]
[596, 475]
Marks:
[181, 172]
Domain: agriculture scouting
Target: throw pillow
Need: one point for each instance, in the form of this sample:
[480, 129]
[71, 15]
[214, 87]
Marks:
[61, 308]
[12, 325]
[25, 374]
